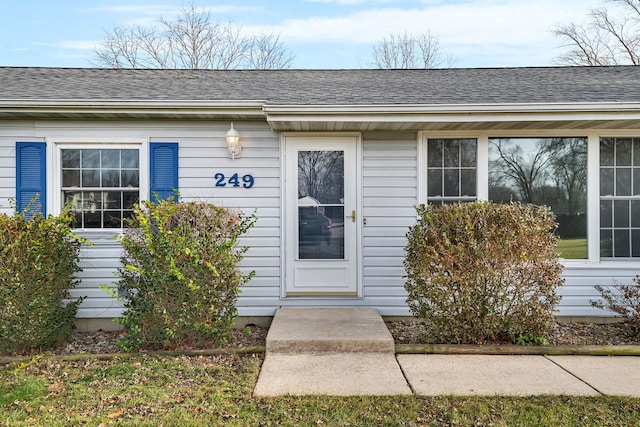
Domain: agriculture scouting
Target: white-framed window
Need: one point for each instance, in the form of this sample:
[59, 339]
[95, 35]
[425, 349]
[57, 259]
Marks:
[619, 197]
[100, 181]
[451, 166]
[590, 179]
[101, 185]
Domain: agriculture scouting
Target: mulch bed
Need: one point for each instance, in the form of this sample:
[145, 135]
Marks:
[403, 331]
[416, 332]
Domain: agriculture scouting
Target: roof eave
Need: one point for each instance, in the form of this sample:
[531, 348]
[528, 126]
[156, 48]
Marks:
[21, 108]
[453, 116]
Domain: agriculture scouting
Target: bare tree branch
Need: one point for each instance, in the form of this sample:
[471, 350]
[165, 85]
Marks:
[191, 41]
[404, 51]
[604, 39]
[268, 52]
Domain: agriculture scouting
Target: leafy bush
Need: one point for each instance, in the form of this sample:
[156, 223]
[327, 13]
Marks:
[479, 272]
[624, 301]
[38, 260]
[179, 277]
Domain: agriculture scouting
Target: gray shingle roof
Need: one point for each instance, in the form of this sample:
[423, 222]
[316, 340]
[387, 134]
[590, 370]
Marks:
[329, 87]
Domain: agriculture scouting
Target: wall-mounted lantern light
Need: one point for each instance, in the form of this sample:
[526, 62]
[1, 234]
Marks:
[233, 143]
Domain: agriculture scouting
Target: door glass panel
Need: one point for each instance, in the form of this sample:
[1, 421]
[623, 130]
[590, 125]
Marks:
[321, 212]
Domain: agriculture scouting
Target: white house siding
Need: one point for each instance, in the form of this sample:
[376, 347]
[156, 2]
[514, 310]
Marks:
[580, 280]
[389, 194]
[389, 191]
[200, 160]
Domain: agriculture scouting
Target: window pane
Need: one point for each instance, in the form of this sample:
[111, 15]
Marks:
[129, 199]
[623, 181]
[71, 158]
[126, 215]
[623, 152]
[635, 243]
[635, 213]
[92, 201]
[468, 184]
[434, 153]
[606, 243]
[90, 158]
[636, 151]
[451, 183]
[112, 200]
[92, 220]
[110, 158]
[130, 159]
[606, 216]
[74, 199]
[317, 236]
[110, 178]
[71, 178]
[451, 153]
[434, 178]
[112, 219]
[545, 171]
[621, 243]
[621, 213]
[468, 152]
[636, 182]
[606, 151]
[130, 178]
[91, 178]
[321, 176]
[606, 181]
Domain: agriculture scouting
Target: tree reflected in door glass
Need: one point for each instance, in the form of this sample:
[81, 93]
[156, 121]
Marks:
[321, 204]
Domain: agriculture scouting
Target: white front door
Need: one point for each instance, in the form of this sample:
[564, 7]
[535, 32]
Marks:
[321, 218]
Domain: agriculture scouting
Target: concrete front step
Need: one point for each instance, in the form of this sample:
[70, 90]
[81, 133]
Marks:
[332, 351]
[328, 330]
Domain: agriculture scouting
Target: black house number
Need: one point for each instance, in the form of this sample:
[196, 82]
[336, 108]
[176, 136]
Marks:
[246, 181]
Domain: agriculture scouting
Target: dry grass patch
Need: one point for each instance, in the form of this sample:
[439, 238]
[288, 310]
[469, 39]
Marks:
[216, 391]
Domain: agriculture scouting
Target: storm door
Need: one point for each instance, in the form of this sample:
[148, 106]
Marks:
[321, 219]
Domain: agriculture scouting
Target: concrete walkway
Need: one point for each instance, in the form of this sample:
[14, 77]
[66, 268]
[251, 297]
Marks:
[344, 352]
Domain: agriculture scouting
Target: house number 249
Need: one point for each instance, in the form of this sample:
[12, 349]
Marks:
[234, 180]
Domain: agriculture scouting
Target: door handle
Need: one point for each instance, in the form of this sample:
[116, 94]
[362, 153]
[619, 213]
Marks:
[352, 216]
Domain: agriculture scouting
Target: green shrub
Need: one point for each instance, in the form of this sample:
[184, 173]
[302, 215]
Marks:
[179, 277]
[38, 260]
[623, 300]
[479, 272]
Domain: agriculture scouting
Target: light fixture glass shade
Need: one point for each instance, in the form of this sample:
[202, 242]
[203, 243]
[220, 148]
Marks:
[233, 143]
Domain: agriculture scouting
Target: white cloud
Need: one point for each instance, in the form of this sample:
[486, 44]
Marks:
[77, 44]
[485, 28]
[72, 44]
[14, 49]
[141, 9]
[476, 20]
[350, 2]
[148, 15]
[169, 10]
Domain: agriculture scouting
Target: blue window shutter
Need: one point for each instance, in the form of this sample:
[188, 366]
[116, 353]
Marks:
[31, 177]
[164, 171]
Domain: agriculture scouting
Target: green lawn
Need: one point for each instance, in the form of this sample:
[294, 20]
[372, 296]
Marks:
[216, 391]
[572, 248]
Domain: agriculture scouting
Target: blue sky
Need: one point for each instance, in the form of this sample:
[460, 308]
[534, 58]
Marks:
[321, 33]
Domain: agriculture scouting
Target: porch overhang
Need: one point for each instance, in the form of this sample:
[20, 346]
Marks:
[454, 117]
